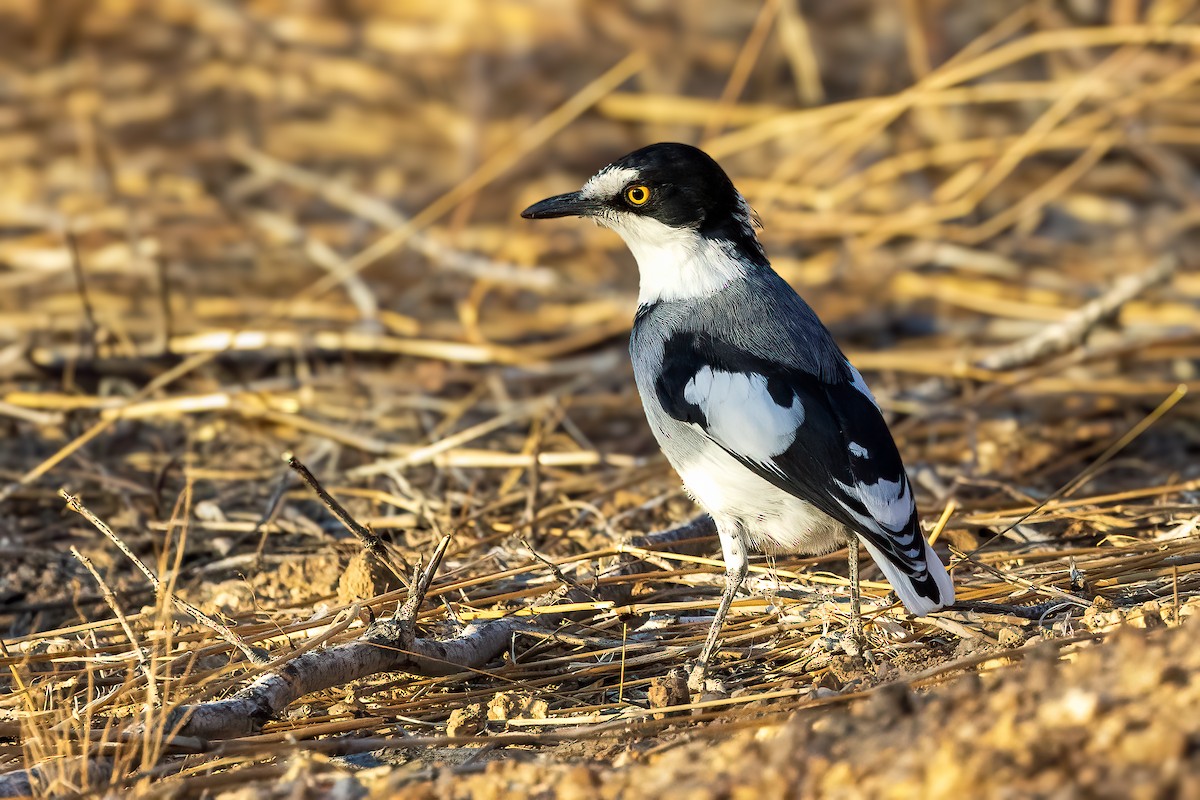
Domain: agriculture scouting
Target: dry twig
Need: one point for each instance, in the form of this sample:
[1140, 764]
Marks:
[370, 542]
[215, 625]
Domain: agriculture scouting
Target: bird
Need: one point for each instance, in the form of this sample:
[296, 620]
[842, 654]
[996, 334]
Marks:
[771, 429]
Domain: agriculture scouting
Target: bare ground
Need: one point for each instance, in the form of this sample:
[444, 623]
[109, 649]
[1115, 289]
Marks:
[1114, 721]
[230, 231]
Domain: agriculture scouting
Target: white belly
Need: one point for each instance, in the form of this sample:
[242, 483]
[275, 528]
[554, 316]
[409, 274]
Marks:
[774, 520]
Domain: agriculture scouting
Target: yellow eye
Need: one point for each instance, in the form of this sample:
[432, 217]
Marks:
[637, 195]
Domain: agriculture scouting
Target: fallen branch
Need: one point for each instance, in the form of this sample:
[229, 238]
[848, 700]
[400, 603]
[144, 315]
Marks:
[1074, 329]
[43, 780]
[389, 645]
[1063, 336]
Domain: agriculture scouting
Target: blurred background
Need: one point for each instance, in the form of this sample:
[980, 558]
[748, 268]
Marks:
[230, 229]
[209, 158]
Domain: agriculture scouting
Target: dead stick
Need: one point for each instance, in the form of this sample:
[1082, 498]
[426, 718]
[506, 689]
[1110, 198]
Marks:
[111, 599]
[81, 287]
[1074, 329]
[204, 619]
[1063, 336]
[422, 580]
[366, 537]
[388, 645]
[562, 577]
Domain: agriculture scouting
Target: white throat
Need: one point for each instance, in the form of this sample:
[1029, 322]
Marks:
[675, 263]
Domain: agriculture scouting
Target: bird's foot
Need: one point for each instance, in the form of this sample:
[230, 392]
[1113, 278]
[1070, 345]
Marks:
[849, 642]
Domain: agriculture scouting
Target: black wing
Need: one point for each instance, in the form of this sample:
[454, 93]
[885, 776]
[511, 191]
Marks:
[823, 441]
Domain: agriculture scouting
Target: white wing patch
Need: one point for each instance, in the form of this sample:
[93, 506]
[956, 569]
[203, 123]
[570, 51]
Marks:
[858, 450]
[890, 504]
[742, 415]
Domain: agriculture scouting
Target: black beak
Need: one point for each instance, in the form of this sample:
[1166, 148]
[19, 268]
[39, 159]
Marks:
[572, 204]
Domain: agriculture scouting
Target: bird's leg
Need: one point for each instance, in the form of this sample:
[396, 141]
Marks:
[856, 624]
[737, 565]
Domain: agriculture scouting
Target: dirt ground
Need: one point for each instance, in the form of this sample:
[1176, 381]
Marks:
[231, 231]
[1114, 721]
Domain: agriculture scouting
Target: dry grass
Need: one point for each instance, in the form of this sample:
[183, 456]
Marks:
[233, 230]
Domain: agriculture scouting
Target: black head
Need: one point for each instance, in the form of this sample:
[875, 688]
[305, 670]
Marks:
[677, 185]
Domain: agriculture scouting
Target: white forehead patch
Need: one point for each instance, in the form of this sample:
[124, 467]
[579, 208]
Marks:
[607, 182]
